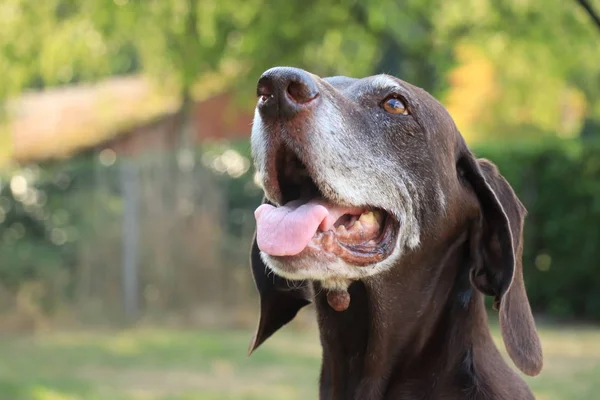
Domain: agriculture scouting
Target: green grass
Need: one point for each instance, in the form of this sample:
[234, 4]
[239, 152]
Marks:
[176, 365]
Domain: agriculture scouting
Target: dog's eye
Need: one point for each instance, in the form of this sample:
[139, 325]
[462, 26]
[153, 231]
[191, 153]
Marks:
[394, 105]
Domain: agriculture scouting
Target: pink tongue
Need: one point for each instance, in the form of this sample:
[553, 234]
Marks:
[287, 230]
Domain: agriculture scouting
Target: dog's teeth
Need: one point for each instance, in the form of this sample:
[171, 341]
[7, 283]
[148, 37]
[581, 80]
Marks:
[341, 230]
[368, 218]
[357, 226]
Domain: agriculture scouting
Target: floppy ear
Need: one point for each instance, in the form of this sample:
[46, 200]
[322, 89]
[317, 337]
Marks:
[280, 300]
[496, 251]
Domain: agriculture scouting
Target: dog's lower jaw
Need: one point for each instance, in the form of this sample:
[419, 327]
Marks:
[333, 273]
[335, 279]
[337, 288]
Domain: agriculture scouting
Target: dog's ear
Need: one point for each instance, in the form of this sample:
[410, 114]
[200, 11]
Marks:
[496, 253]
[280, 300]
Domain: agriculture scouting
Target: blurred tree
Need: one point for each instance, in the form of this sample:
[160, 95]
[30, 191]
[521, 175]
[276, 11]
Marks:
[541, 61]
[56, 42]
[541, 58]
[587, 6]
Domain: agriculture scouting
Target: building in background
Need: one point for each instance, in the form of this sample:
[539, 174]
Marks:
[127, 114]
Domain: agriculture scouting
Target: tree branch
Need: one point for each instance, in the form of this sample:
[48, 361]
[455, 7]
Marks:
[591, 12]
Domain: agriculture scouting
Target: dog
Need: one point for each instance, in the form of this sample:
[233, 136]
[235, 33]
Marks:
[376, 211]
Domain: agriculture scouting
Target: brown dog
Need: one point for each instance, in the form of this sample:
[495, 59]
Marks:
[377, 209]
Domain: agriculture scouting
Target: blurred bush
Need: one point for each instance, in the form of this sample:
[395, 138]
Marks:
[62, 237]
[40, 214]
[559, 183]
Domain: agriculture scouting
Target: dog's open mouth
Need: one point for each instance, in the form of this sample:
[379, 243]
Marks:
[308, 222]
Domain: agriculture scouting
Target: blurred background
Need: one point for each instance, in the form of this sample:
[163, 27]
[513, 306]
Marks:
[127, 190]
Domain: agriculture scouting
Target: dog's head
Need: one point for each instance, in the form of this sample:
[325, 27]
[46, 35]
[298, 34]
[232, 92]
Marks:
[359, 174]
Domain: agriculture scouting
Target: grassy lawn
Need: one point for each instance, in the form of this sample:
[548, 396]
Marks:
[177, 365]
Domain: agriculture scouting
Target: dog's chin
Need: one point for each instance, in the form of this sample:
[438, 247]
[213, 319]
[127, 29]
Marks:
[336, 265]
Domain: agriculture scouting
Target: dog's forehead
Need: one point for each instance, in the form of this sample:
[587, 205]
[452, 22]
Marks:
[375, 83]
[431, 115]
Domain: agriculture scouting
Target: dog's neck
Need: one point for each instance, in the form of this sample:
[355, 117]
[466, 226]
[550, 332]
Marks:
[423, 332]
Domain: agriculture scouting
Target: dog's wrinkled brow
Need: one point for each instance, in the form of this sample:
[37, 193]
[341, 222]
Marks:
[384, 82]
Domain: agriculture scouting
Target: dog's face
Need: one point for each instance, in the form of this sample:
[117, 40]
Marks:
[364, 175]
[366, 161]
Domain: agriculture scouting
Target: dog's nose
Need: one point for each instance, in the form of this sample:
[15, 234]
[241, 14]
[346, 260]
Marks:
[284, 91]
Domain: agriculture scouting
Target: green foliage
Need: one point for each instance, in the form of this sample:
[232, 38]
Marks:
[544, 53]
[559, 183]
[54, 42]
[41, 223]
